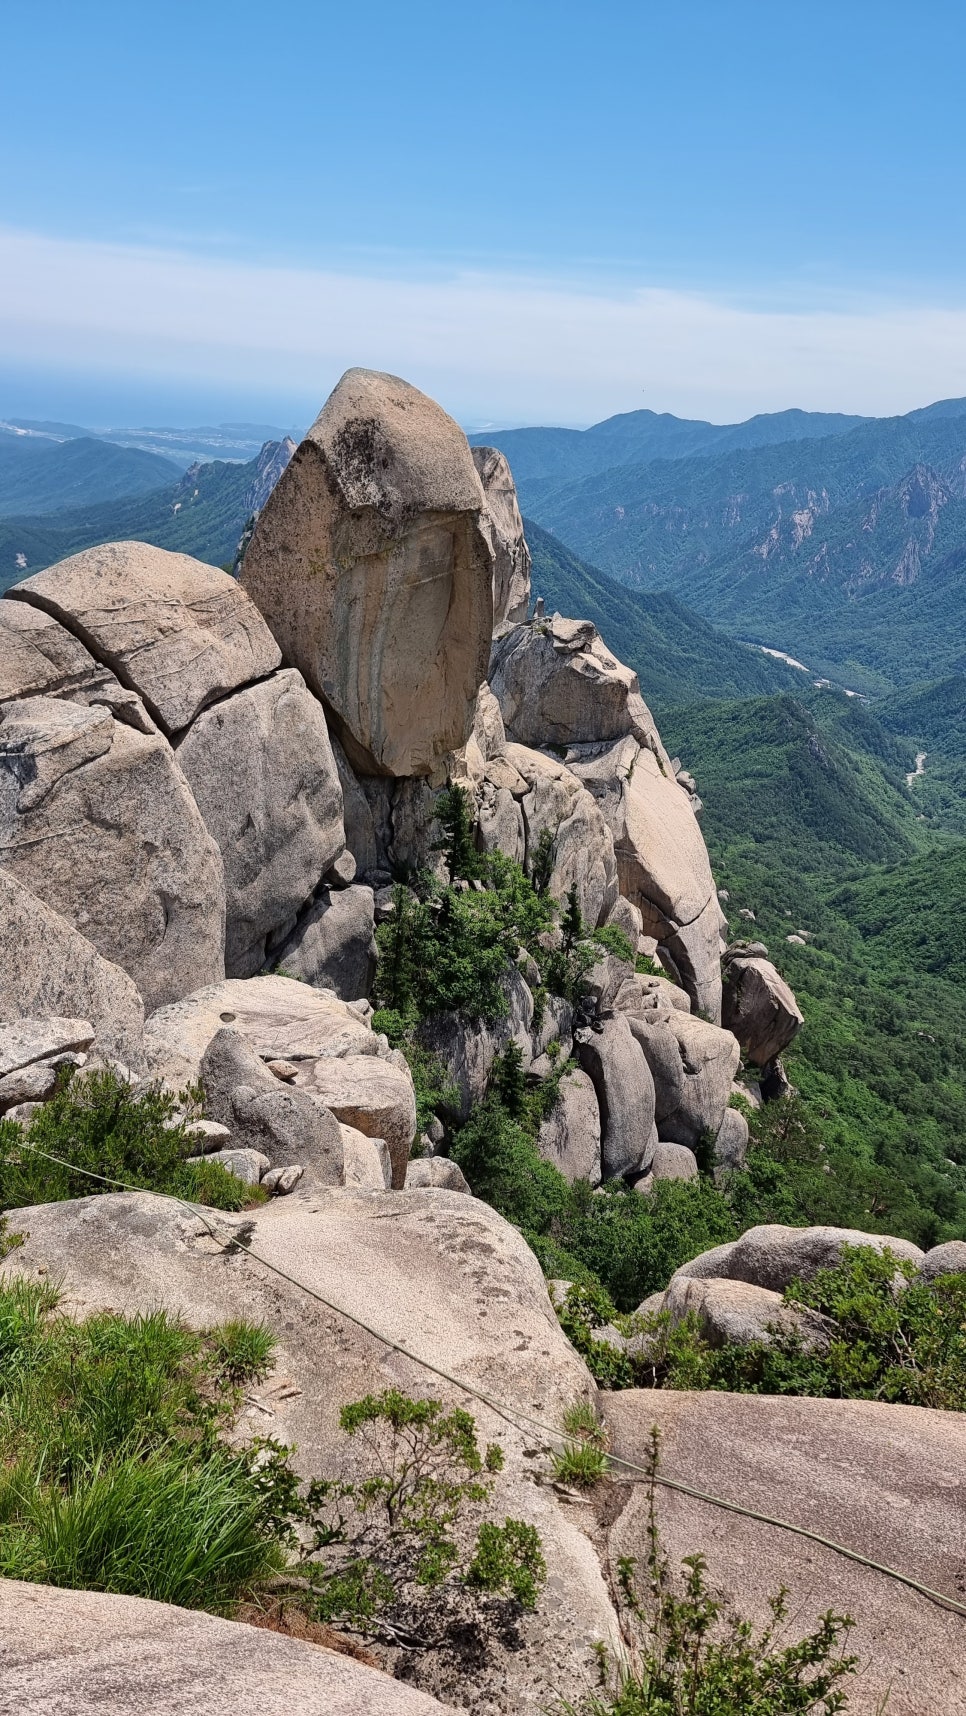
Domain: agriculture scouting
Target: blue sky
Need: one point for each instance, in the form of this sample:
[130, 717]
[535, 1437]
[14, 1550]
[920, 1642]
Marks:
[539, 212]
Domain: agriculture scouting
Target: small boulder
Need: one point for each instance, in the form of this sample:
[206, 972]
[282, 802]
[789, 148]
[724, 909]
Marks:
[731, 1143]
[569, 1138]
[772, 1256]
[368, 1164]
[368, 1093]
[759, 1008]
[281, 1121]
[439, 1171]
[281, 1181]
[673, 1162]
[246, 1165]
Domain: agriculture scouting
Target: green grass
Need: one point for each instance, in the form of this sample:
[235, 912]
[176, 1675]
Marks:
[113, 1475]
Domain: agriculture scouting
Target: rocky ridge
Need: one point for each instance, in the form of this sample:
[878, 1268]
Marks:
[207, 790]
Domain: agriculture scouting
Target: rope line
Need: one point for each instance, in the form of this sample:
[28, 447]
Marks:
[515, 1415]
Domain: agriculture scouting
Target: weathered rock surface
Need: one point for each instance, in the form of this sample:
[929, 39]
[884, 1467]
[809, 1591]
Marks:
[662, 1053]
[948, 1259]
[772, 1256]
[87, 1652]
[24, 1041]
[731, 1143]
[40, 657]
[97, 820]
[371, 566]
[436, 1271]
[625, 1095]
[265, 1115]
[885, 1481]
[734, 1313]
[435, 1171]
[282, 1019]
[176, 631]
[570, 1136]
[246, 1164]
[370, 1094]
[662, 862]
[758, 1006]
[501, 520]
[333, 945]
[368, 1164]
[552, 798]
[47, 967]
[557, 684]
[468, 1048]
[709, 1058]
[264, 778]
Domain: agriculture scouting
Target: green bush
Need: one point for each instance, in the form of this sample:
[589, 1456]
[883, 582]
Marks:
[695, 1656]
[96, 1124]
[629, 1244]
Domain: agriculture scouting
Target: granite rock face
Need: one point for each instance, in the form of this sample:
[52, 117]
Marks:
[333, 945]
[97, 820]
[557, 684]
[179, 633]
[262, 773]
[371, 566]
[46, 966]
[501, 518]
[759, 1008]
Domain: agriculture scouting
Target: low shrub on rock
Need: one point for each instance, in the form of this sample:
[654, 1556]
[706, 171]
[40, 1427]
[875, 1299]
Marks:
[95, 1124]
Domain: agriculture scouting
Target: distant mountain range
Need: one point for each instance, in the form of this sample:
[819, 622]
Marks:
[183, 447]
[38, 475]
[847, 550]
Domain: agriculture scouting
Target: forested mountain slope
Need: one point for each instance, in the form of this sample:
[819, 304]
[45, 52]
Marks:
[41, 476]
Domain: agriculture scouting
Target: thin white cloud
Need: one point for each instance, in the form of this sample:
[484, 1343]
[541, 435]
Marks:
[491, 347]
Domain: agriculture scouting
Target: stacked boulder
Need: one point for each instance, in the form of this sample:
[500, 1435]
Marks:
[207, 787]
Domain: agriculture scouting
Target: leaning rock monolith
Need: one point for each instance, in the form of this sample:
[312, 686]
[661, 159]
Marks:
[372, 568]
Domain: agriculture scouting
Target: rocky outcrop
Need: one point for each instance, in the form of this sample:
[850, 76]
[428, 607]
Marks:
[501, 520]
[552, 799]
[97, 820]
[759, 1008]
[283, 1020]
[885, 1481]
[179, 633]
[441, 1275]
[773, 1256]
[263, 776]
[557, 684]
[662, 861]
[46, 965]
[370, 564]
[333, 945]
[89, 1651]
[613, 1061]
[267, 1115]
[570, 1136]
[709, 1061]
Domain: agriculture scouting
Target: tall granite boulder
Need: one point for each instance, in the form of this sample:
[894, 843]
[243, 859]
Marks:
[371, 565]
[622, 1080]
[511, 556]
[709, 1061]
[662, 862]
[179, 633]
[552, 799]
[759, 1007]
[333, 944]
[97, 820]
[47, 968]
[570, 1135]
[263, 776]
